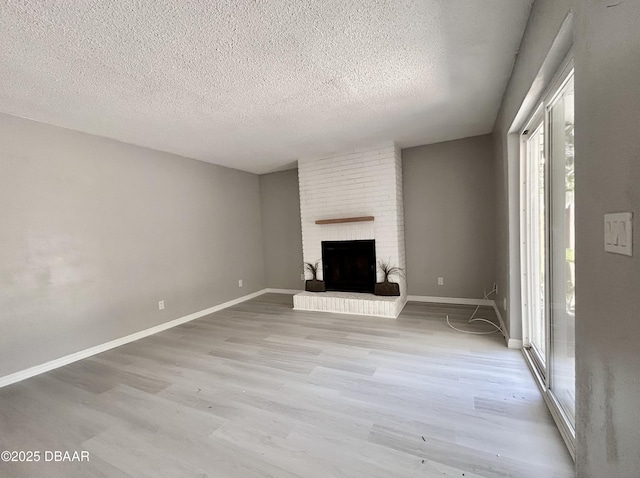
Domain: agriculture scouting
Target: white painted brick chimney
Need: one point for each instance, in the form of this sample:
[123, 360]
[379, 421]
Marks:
[362, 182]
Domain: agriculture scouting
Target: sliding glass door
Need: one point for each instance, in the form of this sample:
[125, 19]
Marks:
[563, 249]
[548, 248]
[536, 233]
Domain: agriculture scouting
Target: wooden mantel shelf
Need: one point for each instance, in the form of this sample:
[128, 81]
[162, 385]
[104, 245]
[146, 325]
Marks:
[345, 219]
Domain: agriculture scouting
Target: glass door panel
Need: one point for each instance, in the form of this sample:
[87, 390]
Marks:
[536, 243]
[563, 301]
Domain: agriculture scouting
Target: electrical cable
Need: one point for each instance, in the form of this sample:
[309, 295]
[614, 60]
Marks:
[473, 318]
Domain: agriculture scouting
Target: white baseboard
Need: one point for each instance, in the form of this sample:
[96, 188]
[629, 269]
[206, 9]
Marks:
[505, 332]
[282, 291]
[67, 359]
[511, 343]
[449, 300]
[514, 344]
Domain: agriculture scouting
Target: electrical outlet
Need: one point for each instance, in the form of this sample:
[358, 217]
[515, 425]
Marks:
[240, 283]
[302, 277]
[440, 280]
[504, 303]
[161, 305]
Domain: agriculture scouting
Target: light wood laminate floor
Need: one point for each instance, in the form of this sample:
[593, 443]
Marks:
[262, 390]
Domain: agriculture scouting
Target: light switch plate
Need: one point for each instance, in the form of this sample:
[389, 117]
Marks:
[618, 233]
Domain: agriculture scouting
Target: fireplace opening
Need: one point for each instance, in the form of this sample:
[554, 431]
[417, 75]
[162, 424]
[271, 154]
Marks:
[349, 266]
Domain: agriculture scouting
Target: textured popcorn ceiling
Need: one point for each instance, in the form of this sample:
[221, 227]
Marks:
[255, 85]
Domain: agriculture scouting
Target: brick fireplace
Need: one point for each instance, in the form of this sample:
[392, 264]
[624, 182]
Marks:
[364, 185]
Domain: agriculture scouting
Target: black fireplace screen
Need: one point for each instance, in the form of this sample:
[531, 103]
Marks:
[349, 266]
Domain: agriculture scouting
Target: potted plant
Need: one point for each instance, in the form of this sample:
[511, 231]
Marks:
[313, 284]
[385, 287]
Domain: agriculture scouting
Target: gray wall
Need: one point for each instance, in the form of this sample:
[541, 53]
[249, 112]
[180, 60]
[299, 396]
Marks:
[94, 233]
[546, 18]
[448, 215]
[281, 229]
[606, 52]
[607, 65]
